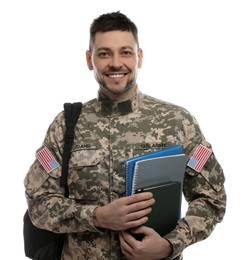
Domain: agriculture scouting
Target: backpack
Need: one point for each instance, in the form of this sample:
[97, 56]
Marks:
[40, 244]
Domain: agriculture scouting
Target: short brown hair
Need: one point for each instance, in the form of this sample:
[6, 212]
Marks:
[112, 22]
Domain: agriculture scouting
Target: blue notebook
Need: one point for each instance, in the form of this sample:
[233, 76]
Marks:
[130, 163]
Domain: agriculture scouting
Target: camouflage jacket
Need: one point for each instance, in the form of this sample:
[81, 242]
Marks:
[106, 134]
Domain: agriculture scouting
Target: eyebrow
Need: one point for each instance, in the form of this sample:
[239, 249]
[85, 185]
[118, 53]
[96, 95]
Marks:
[108, 49]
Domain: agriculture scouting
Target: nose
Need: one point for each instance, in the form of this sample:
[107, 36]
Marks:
[116, 62]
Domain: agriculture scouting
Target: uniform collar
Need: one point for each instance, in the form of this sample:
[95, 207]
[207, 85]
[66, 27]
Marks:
[105, 107]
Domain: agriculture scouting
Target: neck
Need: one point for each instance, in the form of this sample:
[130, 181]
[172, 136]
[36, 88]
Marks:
[117, 97]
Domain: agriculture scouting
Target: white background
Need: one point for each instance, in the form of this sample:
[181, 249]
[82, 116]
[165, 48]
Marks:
[196, 54]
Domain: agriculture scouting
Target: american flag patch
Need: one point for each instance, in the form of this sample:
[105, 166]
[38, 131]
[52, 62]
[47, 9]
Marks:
[47, 160]
[199, 158]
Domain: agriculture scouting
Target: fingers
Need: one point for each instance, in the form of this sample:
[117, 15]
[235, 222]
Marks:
[125, 246]
[139, 205]
[147, 231]
[139, 197]
[135, 219]
[124, 213]
[138, 214]
[151, 246]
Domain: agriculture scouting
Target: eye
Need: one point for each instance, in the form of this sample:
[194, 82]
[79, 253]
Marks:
[104, 54]
[127, 53]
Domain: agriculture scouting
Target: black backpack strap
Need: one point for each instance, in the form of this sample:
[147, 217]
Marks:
[72, 112]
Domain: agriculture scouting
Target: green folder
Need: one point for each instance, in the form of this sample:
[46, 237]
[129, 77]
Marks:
[167, 208]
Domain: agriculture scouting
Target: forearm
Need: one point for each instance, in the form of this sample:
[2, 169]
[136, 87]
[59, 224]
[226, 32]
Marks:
[59, 214]
[200, 220]
[49, 208]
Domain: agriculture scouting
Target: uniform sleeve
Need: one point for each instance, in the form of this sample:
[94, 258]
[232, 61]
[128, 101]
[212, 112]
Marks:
[204, 192]
[48, 207]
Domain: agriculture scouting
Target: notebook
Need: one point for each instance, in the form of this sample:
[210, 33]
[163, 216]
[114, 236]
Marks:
[154, 171]
[167, 208]
[130, 163]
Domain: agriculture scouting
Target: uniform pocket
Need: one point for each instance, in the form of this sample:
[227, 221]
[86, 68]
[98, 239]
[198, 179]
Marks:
[84, 178]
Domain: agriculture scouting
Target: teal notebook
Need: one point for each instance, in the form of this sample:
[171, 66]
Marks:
[130, 163]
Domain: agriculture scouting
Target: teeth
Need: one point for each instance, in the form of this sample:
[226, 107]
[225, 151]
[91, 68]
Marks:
[116, 76]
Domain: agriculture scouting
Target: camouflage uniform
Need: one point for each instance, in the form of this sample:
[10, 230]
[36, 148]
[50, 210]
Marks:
[106, 134]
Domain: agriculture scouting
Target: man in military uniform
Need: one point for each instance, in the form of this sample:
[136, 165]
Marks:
[121, 123]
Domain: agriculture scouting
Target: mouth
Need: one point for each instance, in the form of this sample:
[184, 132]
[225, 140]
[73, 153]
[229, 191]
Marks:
[116, 75]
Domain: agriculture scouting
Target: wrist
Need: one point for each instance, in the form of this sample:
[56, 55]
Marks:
[95, 217]
[168, 248]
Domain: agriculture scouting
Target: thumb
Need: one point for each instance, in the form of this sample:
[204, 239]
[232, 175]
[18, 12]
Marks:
[138, 233]
[141, 230]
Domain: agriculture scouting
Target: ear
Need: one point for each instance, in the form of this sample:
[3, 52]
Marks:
[140, 58]
[88, 60]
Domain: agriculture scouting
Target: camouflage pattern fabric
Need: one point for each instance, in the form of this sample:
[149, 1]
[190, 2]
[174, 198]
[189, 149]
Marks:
[106, 135]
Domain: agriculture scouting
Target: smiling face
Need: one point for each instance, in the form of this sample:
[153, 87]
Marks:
[115, 59]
